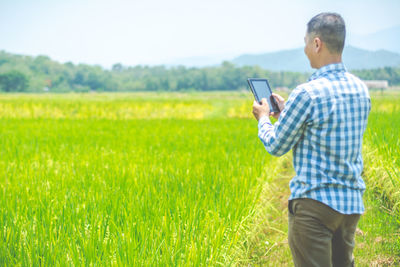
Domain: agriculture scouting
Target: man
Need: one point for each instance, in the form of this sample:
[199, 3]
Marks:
[323, 121]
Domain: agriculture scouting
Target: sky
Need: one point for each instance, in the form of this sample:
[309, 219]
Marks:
[152, 32]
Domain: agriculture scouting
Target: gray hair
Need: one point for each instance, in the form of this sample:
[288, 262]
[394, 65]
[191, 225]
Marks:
[330, 28]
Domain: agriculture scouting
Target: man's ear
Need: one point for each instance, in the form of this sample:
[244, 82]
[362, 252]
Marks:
[317, 44]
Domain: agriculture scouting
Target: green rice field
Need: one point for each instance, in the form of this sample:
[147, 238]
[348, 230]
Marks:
[167, 179]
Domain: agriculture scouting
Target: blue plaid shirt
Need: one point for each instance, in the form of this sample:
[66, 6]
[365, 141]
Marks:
[323, 122]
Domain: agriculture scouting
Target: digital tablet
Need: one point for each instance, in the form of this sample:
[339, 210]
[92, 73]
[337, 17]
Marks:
[261, 89]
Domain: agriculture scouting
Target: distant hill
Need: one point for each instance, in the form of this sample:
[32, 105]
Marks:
[21, 73]
[387, 39]
[379, 45]
[356, 58]
[285, 60]
[296, 60]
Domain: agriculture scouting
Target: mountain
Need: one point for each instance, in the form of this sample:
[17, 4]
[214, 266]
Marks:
[379, 45]
[356, 58]
[296, 60]
[285, 60]
[387, 39]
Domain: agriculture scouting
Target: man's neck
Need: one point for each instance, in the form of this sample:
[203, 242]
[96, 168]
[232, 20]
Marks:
[329, 59]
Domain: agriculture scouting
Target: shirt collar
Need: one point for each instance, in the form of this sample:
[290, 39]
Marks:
[336, 67]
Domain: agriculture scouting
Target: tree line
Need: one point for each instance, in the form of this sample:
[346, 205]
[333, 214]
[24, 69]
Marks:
[36, 74]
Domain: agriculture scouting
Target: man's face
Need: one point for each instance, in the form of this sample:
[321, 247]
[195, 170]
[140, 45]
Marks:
[308, 49]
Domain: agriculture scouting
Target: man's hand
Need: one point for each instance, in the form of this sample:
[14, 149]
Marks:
[263, 109]
[260, 110]
[281, 104]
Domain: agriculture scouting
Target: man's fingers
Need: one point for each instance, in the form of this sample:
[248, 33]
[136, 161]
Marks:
[278, 97]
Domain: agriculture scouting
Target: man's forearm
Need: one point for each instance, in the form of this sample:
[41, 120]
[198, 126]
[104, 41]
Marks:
[266, 133]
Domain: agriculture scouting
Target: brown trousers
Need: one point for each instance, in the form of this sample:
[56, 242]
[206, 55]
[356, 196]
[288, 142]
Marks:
[319, 235]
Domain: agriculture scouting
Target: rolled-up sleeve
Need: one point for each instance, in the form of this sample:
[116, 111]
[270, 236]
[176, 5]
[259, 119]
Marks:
[279, 138]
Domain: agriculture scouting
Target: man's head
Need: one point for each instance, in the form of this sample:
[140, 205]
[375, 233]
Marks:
[324, 40]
